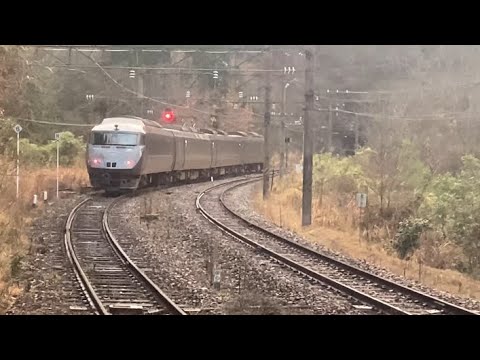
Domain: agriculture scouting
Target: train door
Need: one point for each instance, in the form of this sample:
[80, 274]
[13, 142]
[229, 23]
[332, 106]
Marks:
[214, 154]
[241, 152]
[179, 153]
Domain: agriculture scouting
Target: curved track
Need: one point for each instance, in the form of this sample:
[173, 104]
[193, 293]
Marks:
[108, 277]
[384, 295]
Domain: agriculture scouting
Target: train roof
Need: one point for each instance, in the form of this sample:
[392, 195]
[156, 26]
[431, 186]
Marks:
[124, 124]
[136, 124]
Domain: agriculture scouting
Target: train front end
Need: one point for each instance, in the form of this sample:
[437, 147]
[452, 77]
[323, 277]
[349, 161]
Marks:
[115, 153]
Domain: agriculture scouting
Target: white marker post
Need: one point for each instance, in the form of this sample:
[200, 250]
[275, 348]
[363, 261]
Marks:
[361, 204]
[18, 129]
[57, 139]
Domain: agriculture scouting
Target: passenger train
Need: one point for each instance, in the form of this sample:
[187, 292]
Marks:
[126, 153]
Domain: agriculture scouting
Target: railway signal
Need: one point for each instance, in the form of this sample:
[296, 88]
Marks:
[168, 116]
[132, 74]
[215, 74]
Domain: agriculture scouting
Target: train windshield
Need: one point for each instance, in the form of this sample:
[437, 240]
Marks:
[115, 138]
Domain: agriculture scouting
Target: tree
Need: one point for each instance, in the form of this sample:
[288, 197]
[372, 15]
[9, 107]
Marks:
[407, 238]
[340, 173]
[71, 148]
[453, 207]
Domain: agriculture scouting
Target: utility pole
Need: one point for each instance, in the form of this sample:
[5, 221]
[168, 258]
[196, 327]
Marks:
[140, 85]
[356, 132]
[330, 127]
[266, 159]
[308, 140]
[282, 129]
[282, 146]
[141, 93]
[287, 141]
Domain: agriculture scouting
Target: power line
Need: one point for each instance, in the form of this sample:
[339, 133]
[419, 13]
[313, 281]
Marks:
[136, 93]
[340, 100]
[147, 97]
[87, 48]
[399, 91]
[95, 49]
[203, 69]
[394, 116]
[319, 92]
[186, 69]
[97, 65]
[169, 49]
[50, 122]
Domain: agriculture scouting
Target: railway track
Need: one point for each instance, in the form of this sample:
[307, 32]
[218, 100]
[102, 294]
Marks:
[381, 294]
[112, 283]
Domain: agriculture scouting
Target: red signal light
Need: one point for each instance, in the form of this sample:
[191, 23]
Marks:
[168, 116]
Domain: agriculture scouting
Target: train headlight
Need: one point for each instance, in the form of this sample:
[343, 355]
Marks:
[95, 162]
[130, 163]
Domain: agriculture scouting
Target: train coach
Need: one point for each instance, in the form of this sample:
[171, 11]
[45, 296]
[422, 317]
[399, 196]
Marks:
[126, 153]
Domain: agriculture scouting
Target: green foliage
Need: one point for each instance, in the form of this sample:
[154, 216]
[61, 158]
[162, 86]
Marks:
[407, 238]
[337, 173]
[412, 172]
[33, 154]
[332, 173]
[453, 205]
[447, 205]
[6, 133]
[397, 171]
[70, 149]
[397, 178]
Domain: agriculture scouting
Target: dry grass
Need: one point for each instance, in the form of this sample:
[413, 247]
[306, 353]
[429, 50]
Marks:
[16, 215]
[338, 230]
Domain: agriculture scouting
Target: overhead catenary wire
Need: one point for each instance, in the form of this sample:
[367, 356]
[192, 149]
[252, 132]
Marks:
[252, 113]
[317, 109]
[89, 48]
[291, 129]
[261, 115]
[95, 48]
[48, 122]
[176, 69]
[424, 117]
[147, 97]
